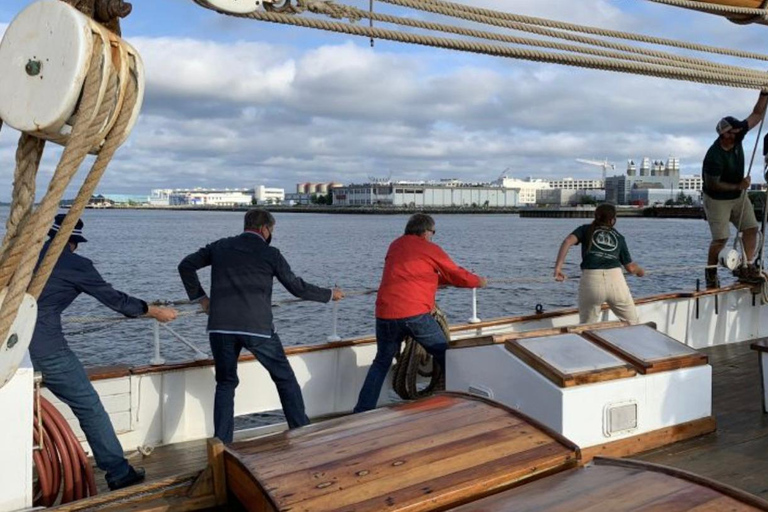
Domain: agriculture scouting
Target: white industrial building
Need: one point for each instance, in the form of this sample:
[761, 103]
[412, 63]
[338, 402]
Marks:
[201, 197]
[446, 193]
[691, 182]
[265, 195]
[577, 184]
[527, 188]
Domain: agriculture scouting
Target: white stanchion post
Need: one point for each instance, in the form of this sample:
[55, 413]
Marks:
[474, 319]
[199, 354]
[157, 359]
[334, 323]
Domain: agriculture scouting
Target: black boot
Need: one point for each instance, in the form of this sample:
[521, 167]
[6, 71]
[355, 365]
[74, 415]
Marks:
[710, 277]
[134, 476]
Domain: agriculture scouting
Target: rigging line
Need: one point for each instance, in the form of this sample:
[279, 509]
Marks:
[625, 52]
[370, 291]
[503, 51]
[552, 33]
[616, 34]
[745, 195]
[715, 8]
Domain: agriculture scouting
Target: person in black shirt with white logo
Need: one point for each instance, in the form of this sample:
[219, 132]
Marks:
[725, 190]
[603, 253]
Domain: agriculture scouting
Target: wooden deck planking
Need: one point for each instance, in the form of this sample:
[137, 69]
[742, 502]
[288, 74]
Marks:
[428, 458]
[600, 487]
[736, 453]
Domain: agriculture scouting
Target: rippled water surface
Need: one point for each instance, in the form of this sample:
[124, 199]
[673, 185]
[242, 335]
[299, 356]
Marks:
[138, 251]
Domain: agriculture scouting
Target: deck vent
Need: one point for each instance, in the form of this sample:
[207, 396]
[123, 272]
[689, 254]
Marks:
[480, 391]
[620, 418]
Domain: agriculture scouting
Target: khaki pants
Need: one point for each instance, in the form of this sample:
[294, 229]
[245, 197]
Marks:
[721, 213]
[598, 286]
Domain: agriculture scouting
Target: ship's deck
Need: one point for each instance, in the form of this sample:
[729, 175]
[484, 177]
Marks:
[734, 455]
[737, 453]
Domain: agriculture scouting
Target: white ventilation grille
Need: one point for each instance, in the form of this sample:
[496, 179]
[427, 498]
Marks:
[620, 418]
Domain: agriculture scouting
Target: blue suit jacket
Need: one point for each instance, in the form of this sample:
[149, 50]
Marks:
[73, 275]
[242, 272]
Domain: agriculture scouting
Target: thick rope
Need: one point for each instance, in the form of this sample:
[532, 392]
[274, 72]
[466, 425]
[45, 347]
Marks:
[516, 25]
[414, 361]
[714, 8]
[74, 153]
[572, 27]
[509, 52]
[625, 52]
[28, 155]
[88, 187]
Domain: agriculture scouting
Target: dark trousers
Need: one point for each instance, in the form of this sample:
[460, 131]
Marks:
[269, 352]
[65, 377]
[389, 334]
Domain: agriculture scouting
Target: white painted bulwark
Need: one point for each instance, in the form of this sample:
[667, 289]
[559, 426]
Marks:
[176, 405]
[16, 443]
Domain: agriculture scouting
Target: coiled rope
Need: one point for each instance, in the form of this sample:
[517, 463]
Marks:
[414, 361]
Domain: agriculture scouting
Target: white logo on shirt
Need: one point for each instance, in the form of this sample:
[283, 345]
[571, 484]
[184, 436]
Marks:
[605, 241]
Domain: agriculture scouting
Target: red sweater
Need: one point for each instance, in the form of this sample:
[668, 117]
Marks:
[413, 269]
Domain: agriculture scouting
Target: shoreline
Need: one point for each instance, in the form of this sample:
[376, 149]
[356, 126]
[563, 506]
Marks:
[659, 212]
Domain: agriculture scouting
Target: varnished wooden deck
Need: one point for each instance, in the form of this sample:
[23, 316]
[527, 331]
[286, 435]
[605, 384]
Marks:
[737, 454]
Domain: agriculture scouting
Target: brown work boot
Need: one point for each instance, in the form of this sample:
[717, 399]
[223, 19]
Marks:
[711, 279]
[748, 274]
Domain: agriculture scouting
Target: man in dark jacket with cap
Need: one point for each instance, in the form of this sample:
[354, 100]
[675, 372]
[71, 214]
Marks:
[240, 313]
[63, 373]
[725, 189]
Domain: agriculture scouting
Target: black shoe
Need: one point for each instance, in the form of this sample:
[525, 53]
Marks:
[134, 476]
[748, 274]
[710, 277]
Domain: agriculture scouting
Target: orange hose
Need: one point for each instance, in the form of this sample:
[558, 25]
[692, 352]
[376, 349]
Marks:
[61, 465]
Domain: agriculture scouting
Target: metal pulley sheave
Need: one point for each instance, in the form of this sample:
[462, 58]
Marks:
[44, 58]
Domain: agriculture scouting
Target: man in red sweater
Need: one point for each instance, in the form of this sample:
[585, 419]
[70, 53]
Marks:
[413, 269]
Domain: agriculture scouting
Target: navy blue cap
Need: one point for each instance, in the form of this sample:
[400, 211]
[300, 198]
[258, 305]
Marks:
[77, 233]
[729, 123]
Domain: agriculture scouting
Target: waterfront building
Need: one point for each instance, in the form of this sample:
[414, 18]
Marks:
[528, 188]
[660, 196]
[655, 174]
[445, 193]
[577, 184]
[264, 195]
[201, 197]
[691, 182]
[567, 197]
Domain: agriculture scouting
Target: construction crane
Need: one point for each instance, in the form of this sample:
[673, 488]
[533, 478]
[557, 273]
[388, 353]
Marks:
[605, 165]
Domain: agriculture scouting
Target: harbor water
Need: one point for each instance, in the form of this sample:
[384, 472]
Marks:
[138, 252]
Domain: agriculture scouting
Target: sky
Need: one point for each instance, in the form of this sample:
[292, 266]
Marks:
[240, 103]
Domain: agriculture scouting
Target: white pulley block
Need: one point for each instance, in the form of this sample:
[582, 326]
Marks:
[15, 345]
[44, 59]
[729, 258]
[234, 6]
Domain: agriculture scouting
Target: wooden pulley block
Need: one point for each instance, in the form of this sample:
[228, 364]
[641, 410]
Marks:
[13, 348]
[44, 59]
[234, 6]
